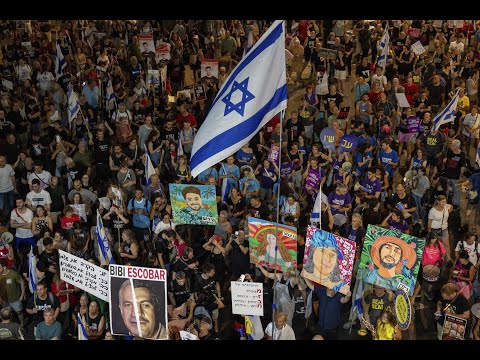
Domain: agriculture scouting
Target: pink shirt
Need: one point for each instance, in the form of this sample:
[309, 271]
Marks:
[431, 254]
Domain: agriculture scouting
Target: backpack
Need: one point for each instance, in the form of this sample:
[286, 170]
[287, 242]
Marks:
[462, 247]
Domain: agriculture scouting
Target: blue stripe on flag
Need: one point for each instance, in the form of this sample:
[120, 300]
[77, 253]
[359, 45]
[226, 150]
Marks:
[252, 55]
[239, 132]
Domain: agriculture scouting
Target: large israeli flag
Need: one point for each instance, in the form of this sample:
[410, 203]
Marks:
[253, 93]
[383, 48]
[447, 114]
[60, 63]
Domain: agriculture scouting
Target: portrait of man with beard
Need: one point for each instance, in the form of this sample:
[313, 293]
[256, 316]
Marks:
[393, 259]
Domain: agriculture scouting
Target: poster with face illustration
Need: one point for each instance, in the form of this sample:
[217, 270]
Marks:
[390, 259]
[147, 45]
[263, 237]
[194, 204]
[328, 260]
[162, 53]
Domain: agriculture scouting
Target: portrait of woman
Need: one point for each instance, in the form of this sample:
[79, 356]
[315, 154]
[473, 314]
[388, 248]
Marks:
[266, 251]
[322, 264]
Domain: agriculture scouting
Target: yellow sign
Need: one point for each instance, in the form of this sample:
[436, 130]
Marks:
[403, 309]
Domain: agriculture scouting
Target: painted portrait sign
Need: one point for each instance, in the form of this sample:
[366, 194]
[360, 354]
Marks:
[263, 238]
[390, 259]
[194, 204]
[328, 260]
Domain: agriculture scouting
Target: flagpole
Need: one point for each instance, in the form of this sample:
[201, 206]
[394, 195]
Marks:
[274, 305]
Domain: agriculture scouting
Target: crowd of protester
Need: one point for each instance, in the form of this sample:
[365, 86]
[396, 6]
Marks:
[56, 172]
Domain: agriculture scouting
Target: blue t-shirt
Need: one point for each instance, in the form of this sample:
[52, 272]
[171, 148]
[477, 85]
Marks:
[386, 157]
[475, 181]
[359, 157]
[329, 309]
[203, 176]
[141, 211]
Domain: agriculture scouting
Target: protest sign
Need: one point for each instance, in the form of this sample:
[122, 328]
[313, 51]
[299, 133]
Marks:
[199, 92]
[327, 53]
[454, 328]
[138, 301]
[263, 238]
[390, 259]
[79, 209]
[414, 32]
[402, 100]
[328, 259]
[247, 298]
[348, 143]
[403, 309]
[162, 53]
[209, 72]
[194, 204]
[327, 137]
[147, 46]
[418, 48]
[84, 275]
[153, 77]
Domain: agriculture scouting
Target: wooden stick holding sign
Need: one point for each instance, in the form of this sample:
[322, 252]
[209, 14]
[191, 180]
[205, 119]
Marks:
[369, 326]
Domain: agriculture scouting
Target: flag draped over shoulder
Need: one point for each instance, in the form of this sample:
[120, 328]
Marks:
[253, 93]
[60, 63]
[73, 105]
[82, 331]
[383, 48]
[105, 252]
[32, 273]
[448, 114]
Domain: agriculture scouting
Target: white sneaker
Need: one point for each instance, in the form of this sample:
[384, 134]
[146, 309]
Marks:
[347, 325]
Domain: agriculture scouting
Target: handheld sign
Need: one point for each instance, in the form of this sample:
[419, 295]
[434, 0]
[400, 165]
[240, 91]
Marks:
[348, 143]
[327, 137]
[403, 313]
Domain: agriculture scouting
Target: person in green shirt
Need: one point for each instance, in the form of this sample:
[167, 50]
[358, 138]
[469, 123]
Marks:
[12, 289]
[49, 328]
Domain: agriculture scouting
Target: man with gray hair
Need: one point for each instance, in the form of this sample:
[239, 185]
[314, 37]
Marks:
[454, 167]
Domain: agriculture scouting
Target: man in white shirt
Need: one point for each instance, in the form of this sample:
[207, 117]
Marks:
[38, 196]
[282, 330]
[43, 176]
[7, 188]
[21, 219]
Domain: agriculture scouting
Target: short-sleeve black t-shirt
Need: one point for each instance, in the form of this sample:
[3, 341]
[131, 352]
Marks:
[51, 301]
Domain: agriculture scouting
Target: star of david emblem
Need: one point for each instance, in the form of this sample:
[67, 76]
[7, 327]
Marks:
[246, 97]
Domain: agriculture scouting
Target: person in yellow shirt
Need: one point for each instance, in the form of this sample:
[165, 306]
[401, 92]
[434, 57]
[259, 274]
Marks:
[463, 102]
[387, 328]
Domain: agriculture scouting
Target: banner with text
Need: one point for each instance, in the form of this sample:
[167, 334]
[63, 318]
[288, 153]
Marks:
[84, 275]
[247, 298]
